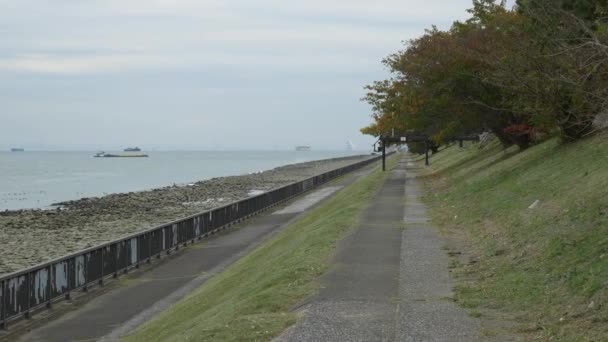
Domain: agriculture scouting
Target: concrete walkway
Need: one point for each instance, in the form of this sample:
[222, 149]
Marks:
[387, 283]
[140, 297]
[426, 312]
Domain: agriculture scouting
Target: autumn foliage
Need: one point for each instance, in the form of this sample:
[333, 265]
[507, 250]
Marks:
[538, 69]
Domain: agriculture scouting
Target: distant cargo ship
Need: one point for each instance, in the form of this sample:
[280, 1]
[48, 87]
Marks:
[302, 148]
[132, 149]
[109, 155]
[17, 150]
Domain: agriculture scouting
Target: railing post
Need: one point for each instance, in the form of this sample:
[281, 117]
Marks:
[194, 221]
[101, 264]
[69, 279]
[161, 242]
[126, 269]
[49, 283]
[85, 269]
[149, 247]
[115, 259]
[137, 259]
[28, 289]
[3, 291]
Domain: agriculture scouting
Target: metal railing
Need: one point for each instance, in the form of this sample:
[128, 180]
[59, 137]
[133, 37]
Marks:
[37, 287]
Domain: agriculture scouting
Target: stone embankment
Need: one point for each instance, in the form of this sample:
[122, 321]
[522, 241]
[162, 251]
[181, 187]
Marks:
[29, 237]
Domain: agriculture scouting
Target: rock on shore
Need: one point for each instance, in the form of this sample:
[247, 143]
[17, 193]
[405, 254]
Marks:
[30, 237]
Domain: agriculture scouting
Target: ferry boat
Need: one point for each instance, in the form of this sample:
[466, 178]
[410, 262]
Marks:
[109, 155]
[17, 150]
[302, 148]
[132, 149]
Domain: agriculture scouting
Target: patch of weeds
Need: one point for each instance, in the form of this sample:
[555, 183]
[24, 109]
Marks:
[475, 314]
[468, 296]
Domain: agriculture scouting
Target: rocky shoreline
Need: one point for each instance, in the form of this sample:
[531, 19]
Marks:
[34, 236]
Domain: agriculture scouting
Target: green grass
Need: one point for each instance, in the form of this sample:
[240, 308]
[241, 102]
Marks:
[548, 266]
[253, 299]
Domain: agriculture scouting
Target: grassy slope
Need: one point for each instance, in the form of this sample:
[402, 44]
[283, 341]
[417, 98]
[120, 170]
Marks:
[547, 266]
[252, 299]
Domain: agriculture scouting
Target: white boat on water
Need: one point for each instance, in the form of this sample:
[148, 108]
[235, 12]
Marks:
[302, 148]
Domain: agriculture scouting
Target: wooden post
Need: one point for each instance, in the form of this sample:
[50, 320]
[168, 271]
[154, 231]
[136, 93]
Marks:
[426, 148]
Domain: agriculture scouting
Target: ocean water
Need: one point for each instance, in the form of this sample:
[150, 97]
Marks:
[39, 179]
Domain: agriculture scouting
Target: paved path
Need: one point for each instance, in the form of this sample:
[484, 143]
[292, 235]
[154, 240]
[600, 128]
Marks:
[121, 310]
[387, 283]
[425, 311]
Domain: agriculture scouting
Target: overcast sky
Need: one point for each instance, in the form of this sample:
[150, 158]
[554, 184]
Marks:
[198, 74]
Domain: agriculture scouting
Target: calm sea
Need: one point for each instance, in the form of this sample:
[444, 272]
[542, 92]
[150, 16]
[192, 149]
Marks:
[38, 179]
